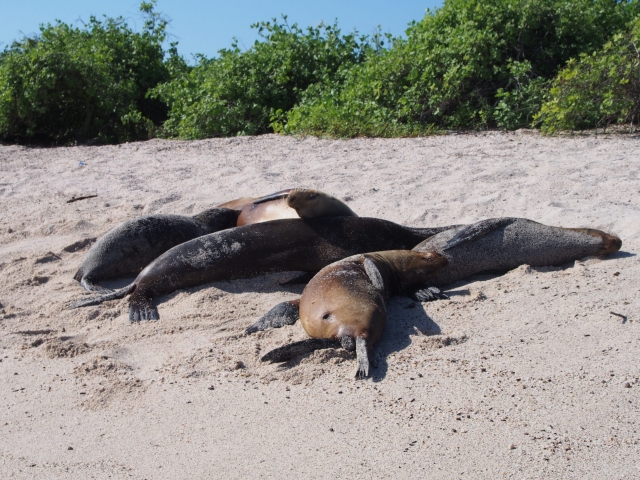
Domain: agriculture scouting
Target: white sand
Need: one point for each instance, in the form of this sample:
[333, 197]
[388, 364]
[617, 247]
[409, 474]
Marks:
[527, 383]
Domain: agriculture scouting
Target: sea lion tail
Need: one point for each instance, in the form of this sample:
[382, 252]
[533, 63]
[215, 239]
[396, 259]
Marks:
[87, 302]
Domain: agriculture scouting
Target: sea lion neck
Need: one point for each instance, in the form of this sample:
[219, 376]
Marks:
[401, 269]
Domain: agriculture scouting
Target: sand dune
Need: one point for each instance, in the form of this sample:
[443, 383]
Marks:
[533, 374]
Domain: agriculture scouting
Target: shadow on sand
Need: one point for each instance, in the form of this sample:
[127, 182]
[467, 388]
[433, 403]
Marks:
[405, 318]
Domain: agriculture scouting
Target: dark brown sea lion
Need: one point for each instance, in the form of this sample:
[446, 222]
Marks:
[502, 244]
[251, 250]
[128, 248]
[344, 304]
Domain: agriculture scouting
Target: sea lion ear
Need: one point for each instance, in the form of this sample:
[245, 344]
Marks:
[477, 230]
[374, 274]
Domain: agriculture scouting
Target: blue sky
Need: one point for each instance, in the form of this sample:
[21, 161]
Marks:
[207, 26]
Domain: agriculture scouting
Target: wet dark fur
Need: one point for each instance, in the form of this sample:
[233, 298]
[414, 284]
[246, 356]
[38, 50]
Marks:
[128, 248]
[502, 244]
[251, 250]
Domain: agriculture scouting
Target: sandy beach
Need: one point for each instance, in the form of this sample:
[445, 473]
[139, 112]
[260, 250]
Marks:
[532, 374]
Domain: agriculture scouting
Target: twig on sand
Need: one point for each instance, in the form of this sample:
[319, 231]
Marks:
[77, 199]
[623, 317]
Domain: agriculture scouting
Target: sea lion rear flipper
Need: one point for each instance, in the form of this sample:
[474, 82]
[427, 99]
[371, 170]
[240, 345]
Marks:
[142, 309]
[285, 313]
[104, 298]
[292, 350]
[300, 279]
[362, 356]
[428, 294]
[94, 287]
[477, 230]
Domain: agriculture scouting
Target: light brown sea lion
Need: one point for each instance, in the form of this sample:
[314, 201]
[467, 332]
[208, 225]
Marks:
[344, 304]
[276, 246]
[128, 248]
[293, 203]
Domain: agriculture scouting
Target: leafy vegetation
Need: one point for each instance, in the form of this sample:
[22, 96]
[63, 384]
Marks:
[69, 84]
[472, 64]
[241, 92]
[597, 89]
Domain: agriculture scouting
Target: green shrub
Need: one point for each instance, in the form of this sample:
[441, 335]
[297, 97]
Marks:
[469, 64]
[597, 89]
[243, 92]
[70, 84]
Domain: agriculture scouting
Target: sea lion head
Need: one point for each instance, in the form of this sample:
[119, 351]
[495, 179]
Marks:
[311, 203]
[347, 298]
[609, 243]
[342, 302]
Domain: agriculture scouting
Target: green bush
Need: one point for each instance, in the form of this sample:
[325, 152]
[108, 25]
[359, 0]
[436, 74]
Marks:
[597, 89]
[469, 64]
[69, 84]
[243, 92]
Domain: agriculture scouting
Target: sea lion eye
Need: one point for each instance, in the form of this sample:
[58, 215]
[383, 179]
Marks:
[326, 316]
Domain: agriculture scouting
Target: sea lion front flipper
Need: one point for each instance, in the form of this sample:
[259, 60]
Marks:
[285, 313]
[374, 274]
[271, 197]
[303, 278]
[292, 350]
[477, 230]
[362, 356]
[428, 294]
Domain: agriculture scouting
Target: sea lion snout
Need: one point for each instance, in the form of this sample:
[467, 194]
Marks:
[610, 244]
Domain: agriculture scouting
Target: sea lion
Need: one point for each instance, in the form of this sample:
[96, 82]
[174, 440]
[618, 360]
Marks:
[498, 244]
[502, 244]
[344, 304]
[293, 203]
[128, 248]
[251, 250]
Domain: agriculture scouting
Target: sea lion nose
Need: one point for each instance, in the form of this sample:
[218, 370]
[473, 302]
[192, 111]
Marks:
[610, 244]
